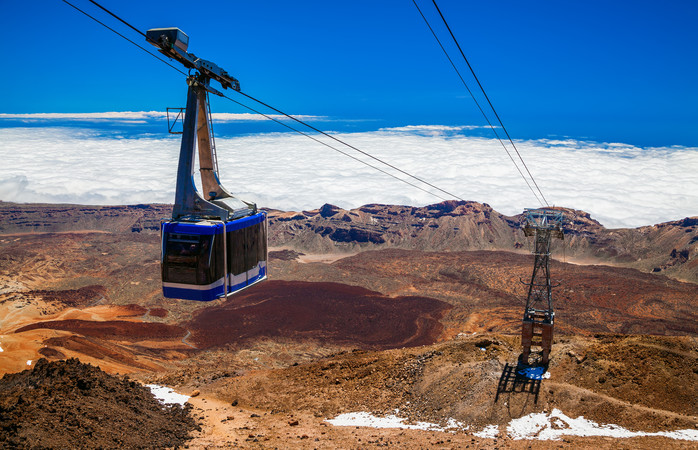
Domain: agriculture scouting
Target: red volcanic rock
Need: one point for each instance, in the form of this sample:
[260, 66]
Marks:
[446, 226]
[100, 349]
[330, 312]
[158, 312]
[111, 329]
[51, 352]
[73, 297]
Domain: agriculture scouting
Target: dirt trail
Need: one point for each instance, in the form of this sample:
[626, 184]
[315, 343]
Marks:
[224, 425]
[620, 403]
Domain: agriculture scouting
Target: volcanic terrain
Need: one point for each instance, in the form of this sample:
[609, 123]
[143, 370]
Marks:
[376, 309]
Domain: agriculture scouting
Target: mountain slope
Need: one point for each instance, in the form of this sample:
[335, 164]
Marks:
[669, 248]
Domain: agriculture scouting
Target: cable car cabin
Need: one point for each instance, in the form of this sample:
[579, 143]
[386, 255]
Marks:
[207, 260]
[215, 244]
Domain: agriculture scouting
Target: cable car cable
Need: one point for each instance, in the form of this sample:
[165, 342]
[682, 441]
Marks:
[488, 99]
[352, 147]
[282, 113]
[119, 34]
[476, 102]
[334, 148]
[119, 19]
[252, 109]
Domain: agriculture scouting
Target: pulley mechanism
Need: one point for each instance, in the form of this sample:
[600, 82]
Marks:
[173, 43]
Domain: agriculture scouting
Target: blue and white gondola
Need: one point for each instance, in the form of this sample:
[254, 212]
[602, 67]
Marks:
[215, 244]
[207, 260]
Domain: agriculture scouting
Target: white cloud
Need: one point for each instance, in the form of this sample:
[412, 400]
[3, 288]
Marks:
[620, 185]
[139, 116]
[433, 128]
[111, 115]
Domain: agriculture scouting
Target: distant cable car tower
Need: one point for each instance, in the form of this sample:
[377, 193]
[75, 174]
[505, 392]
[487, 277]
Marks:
[215, 244]
[539, 316]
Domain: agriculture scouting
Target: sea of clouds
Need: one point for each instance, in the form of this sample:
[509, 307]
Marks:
[620, 185]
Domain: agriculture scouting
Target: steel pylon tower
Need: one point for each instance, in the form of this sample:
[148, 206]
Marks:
[539, 316]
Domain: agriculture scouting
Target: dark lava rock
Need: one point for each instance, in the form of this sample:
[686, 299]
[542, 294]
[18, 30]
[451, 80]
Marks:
[689, 222]
[328, 210]
[68, 404]
[285, 255]
[326, 312]
[356, 235]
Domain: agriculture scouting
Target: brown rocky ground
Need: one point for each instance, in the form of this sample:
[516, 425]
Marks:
[670, 248]
[458, 379]
[639, 382]
[486, 292]
[67, 404]
[367, 309]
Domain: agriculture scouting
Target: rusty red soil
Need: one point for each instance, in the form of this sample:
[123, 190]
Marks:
[83, 296]
[158, 312]
[93, 347]
[328, 312]
[111, 329]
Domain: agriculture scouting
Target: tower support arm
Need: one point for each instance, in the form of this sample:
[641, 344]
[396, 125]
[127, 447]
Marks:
[188, 201]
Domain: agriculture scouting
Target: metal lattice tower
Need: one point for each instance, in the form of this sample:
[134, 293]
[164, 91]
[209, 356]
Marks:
[539, 316]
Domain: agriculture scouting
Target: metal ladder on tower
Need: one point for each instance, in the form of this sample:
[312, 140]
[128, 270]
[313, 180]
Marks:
[212, 139]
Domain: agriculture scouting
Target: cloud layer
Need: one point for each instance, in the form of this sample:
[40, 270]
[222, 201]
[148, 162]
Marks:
[137, 116]
[620, 185]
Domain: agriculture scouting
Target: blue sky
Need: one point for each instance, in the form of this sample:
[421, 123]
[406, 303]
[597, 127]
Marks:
[596, 70]
[601, 98]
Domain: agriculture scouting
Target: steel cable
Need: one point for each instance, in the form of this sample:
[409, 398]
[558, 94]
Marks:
[488, 99]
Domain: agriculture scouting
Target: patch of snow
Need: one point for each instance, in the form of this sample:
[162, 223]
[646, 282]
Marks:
[29, 362]
[366, 419]
[1, 350]
[452, 424]
[167, 395]
[552, 426]
[541, 426]
[489, 432]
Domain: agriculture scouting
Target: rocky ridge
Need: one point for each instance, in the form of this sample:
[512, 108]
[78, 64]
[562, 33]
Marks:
[669, 248]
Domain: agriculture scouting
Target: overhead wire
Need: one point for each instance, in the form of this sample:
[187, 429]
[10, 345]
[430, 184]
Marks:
[333, 148]
[488, 99]
[476, 102]
[352, 147]
[119, 19]
[286, 115]
[119, 34]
